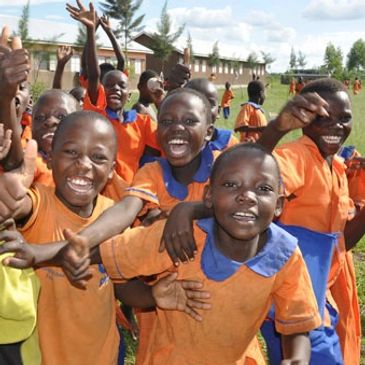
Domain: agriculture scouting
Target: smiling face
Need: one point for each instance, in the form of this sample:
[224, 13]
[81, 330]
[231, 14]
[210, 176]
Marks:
[50, 109]
[184, 125]
[244, 195]
[330, 133]
[22, 99]
[116, 89]
[82, 161]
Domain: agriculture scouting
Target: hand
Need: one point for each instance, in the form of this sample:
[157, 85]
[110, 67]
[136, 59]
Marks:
[14, 65]
[105, 23]
[355, 164]
[300, 112]
[14, 242]
[87, 17]
[178, 76]
[153, 216]
[181, 295]
[75, 259]
[5, 141]
[178, 238]
[64, 54]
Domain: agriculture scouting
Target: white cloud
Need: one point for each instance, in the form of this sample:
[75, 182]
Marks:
[335, 10]
[55, 17]
[23, 2]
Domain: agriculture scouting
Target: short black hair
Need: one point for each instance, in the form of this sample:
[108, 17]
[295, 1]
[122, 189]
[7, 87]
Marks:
[324, 86]
[105, 68]
[146, 75]
[70, 120]
[78, 92]
[194, 92]
[55, 92]
[255, 88]
[239, 149]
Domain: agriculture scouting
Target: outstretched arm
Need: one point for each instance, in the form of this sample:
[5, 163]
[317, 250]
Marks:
[296, 349]
[64, 54]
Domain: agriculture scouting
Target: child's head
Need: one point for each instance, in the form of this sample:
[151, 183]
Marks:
[116, 89]
[244, 191]
[105, 68]
[256, 92]
[227, 85]
[22, 99]
[79, 93]
[184, 125]
[150, 91]
[331, 132]
[82, 159]
[208, 89]
[51, 107]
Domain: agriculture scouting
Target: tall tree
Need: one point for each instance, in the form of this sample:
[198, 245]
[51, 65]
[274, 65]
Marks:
[213, 57]
[267, 58]
[23, 23]
[356, 56]
[292, 59]
[333, 61]
[125, 12]
[163, 40]
[189, 44]
[301, 59]
[252, 61]
[82, 36]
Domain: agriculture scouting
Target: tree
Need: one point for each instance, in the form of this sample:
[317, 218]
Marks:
[82, 36]
[301, 59]
[267, 58]
[23, 23]
[252, 61]
[213, 57]
[292, 59]
[333, 60]
[356, 56]
[125, 12]
[163, 39]
[189, 44]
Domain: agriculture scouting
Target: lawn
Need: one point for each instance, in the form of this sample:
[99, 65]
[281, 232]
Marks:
[277, 96]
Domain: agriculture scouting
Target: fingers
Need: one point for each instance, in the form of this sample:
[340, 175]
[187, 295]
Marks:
[77, 242]
[8, 224]
[80, 5]
[29, 163]
[15, 262]
[5, 141]
[193, 314]
[5, 34]
[16, 43]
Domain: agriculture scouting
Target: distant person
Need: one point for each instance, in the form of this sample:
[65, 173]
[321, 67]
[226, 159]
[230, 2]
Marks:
[299, 85]
[212, 77]
[356, 86]
[226, 100]
[346, 83]
[292, 87]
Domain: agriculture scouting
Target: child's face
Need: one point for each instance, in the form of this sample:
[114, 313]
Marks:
[47, 114]
[244, 196]
[183, 128]
[330, 133]
[82, 161]
[22, 99]
[116, 89]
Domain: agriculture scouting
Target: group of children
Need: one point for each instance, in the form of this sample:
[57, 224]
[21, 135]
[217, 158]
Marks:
[108, 202]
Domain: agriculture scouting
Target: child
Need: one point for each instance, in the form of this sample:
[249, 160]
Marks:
[134, 131]
[246, 262]
[64, 54]
[226, 100]
[292, 86]
[221, 138]
[356, 87]
[150, 89]
[299, 85]
[251, 119]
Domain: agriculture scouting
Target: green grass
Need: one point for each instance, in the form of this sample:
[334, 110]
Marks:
[276, 97]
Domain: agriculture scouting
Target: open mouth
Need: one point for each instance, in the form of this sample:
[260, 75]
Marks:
[244, 216]
[48, 136]
[178, 147]
[332, 139]
[79, 184]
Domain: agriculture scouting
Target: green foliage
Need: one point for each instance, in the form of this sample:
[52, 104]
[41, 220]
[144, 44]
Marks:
[252, 60]
[333, 61]
[213, 57]
[301, 59]
[292, 59]
[267, 58]
[163, 40]
[356, 56]
[36, 89]
[23, 23]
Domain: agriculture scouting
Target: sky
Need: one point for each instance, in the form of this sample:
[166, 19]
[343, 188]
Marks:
[239, 26]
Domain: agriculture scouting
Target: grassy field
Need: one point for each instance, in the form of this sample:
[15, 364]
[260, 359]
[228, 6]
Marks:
[277, 96]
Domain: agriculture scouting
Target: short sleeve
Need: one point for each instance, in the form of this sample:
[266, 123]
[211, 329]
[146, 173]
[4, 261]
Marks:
[296, 308]
[243, 117]
[100, 105]
[150, 131]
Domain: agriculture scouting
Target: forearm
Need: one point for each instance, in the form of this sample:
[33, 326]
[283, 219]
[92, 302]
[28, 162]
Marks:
[57, 80]
[354, 230]
[47, 254]
[296, 347]
[247, 128]
[198, 210]
[270, 136]
[117, 50]
[93, 70]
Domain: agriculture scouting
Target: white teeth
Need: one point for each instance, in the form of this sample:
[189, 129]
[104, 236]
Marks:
[177, 141]
[79, 184]
[244, 215]
[332, 139]
[48, 135]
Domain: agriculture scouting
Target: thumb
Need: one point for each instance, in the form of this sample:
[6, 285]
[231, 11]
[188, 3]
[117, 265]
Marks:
[170, 278]
[77, 242]
[5, 36]
[29, 162]
[16, 43]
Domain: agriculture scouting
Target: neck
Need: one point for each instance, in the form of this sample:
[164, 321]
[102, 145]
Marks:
[184, 174]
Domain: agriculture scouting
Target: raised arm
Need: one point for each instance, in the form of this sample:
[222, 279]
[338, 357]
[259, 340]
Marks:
[64, 54]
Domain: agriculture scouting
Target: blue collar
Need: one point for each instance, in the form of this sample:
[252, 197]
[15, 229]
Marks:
[178, 190]
[276, 252]
[220, 140]
[129, 116]
[256, 106]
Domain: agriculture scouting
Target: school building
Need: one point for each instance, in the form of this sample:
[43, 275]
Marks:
[237, 72]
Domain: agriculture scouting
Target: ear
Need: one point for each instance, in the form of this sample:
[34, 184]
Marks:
[279, 206]
[209, 133]
[207, 196]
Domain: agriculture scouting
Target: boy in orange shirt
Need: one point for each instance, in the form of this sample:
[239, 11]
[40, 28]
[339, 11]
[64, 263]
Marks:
[246, 262]
[356, 87]
[251, 120]
[226, 100]
[134, 132]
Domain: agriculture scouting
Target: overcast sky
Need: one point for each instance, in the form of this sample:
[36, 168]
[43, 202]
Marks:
[240, 26]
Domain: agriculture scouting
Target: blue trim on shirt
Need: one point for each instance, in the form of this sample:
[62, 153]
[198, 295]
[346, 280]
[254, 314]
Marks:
[277, 251]
[136, 190]
[178, 190]
[220, 140]
[129, 116]
[256, 106]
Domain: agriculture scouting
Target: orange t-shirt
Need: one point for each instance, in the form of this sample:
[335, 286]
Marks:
[240, 302]
[227, 98]
[134, 134]
[251, 115]
[75, 326]
[26, 123]
[356, 87]
[292, 86]
[318, 199]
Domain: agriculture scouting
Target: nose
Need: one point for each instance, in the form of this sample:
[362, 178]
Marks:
[84, 163]
[246, 197]
[51, 122]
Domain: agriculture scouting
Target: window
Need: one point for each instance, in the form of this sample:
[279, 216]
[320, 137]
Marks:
[52, 62]
[204, 66]
[75, 64]
[214, 69]
[137, 67]
[226, 68]
[220, 69]
[240, 70]
[196, 65]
